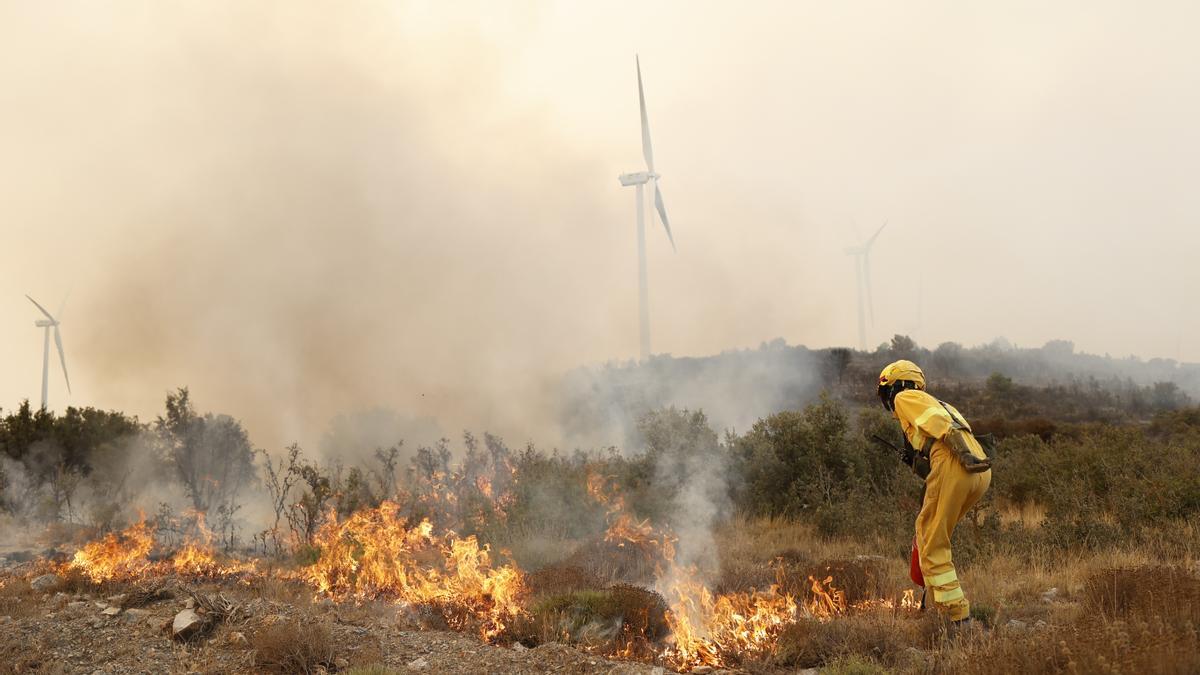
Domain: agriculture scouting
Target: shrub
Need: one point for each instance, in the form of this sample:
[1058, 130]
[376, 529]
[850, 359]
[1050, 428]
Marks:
[298, 646]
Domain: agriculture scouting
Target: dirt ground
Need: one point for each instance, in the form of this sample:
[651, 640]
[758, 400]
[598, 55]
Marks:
[64, 631]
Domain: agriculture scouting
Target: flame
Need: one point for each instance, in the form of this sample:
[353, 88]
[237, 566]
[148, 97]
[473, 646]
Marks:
[827, 601]
[198, 558]
[715, 630]
[374, 554]
[117, 556]
[377, 553]
[623, 528]
[907, 601]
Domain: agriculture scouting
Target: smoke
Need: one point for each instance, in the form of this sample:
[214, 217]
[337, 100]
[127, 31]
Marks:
[354, 437]
[692, 467]
[301, 214]
[600, 406]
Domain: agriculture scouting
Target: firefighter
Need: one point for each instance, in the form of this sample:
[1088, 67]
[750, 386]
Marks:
[939, 441]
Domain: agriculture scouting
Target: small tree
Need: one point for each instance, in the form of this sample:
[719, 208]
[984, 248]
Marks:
[305, 514]
[211, 455]
[281, 477]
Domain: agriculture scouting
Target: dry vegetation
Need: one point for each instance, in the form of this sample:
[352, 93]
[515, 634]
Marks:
[1082, 558]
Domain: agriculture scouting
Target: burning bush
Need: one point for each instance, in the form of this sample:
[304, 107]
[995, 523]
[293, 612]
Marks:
[376, 554]
[118, 556]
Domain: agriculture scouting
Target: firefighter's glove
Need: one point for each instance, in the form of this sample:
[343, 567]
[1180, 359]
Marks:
[921, 466]
[957, 441]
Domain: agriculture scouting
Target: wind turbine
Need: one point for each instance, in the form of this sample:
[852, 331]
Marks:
[48, 323]
[639, 179]
[862, 272]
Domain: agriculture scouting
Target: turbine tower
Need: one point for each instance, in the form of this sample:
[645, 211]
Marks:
[48, 323]
[638, 180]
[862, 273]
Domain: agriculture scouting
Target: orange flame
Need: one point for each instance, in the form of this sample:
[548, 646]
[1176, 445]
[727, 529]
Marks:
[374, 553]
[117, 556]
[714, 630]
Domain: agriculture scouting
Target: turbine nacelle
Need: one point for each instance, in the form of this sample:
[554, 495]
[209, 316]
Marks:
[639, 178]
[42, 323]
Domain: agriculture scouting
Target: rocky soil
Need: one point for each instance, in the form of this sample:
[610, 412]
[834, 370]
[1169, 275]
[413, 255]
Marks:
[48, 627]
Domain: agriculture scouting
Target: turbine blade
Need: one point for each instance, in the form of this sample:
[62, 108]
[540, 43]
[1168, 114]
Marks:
[662, 213]
[62, 306]
[867, 278]
[35, 304]
[871, 241]
[62, 358]
[647, 151]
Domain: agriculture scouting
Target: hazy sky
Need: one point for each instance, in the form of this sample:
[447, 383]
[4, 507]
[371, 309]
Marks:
[300, 209]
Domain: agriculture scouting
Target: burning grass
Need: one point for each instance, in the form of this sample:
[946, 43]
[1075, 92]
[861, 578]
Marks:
[377, 554]
[783, 596]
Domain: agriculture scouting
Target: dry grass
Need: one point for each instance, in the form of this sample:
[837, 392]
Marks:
[880, 637]
[17, 655]
[374, 669]
[1029, 515]
[299, 646]
[18, 600]
[764, 539]
[1119, 610]
[560, 578]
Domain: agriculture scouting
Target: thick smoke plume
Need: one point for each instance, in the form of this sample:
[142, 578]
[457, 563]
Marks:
[301, 214]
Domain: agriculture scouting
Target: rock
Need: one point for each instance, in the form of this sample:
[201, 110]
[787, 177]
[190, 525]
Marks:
[135, 615]
[237, 638]
[116, 599]
[809, 671]
[418, 663]
[186, 624]
[341, 663]
[100, 605]
[45, 582]
[1016, 625]
[658, 670]
[702, 670]
[111, 611]
[77, 605]
[190, 604]
[520, 647]
[1050, 595]
[1040, 624]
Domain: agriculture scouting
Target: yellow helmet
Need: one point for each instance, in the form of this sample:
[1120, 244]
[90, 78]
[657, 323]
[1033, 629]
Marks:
[898, 376]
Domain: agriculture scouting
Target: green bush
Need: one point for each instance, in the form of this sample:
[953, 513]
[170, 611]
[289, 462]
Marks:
[814, 464]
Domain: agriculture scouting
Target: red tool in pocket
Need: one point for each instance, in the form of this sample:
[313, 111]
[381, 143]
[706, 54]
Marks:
[914, 566]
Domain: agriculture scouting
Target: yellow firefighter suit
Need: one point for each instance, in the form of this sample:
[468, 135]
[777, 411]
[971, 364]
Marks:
[950, 491]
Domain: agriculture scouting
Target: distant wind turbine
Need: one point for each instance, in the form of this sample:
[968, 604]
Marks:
[48, 323]
[862, 271]
[639, 179]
